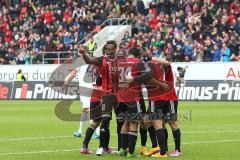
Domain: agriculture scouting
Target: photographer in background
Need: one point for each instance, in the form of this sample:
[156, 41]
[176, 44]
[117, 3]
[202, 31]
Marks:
[181, 72]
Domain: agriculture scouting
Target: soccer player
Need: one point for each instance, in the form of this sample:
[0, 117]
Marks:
[129, 98]
[108, 65]
[84, 99]
[95, 111]
[169, 103]
[155, 109]
[145, 126]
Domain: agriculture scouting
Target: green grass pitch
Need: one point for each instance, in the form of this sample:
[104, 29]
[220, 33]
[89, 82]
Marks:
[30, 130]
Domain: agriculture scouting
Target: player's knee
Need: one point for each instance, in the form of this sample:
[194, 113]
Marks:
[133, 126]
[157, 124]
[163, 124]
[173, 124]
[119, 125]
[87, 110]
[96, 124]
[125, 128]
[142, 125]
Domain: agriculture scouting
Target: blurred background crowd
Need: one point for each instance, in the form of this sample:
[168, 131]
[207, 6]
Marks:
[188, 30]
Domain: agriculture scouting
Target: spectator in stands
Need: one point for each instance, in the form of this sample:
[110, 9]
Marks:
[178, 55]
[187, 51]
[225, 53]
[155, 52]
[198, 53]
[216, 53]
[27, 25]
[208, 49]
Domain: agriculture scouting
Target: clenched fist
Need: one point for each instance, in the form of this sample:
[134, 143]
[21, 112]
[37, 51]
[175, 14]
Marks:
[82, 49]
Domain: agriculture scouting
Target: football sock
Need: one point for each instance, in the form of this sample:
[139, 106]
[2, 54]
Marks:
[104, 132]
[166, 138]
[119, 127]
[89, 133]
[81, 126]
[132, 136]
[177, 138]
[153, 136]
[143, 134]
[124, 140]
[161, 140]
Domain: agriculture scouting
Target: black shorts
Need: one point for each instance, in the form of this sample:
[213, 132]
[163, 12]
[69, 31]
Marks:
[130, 111]
[120, 111]
[164, 109]
[108, 102]
[95, 111]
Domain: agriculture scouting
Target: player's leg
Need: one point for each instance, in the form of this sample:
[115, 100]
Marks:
[124, 138]
[143, 130]
[119, 126]
[85, 115]
[107, 104]
[88, 135]
[175, 129]
[165, 108]
[143, 134]
[166, 133]
[150, 116]
[120, 118]
[95, 116]
[104, 136]
[132, 138]
[134, 110]
[97, 133]
[157, 124]
[153, 137]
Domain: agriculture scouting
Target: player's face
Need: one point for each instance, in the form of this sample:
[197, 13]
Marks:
[110, 50]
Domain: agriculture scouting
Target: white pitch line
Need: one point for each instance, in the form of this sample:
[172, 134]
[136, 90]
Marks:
[200, 132]
[207, 142]
[54, 137]
[37, 152]
[76, 149]
[33, 138]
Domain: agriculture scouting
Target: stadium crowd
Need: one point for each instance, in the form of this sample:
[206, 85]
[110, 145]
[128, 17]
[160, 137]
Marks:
[188, 30]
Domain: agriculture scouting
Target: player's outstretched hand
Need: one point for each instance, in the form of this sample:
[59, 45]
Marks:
[165, 86]
[82, 49]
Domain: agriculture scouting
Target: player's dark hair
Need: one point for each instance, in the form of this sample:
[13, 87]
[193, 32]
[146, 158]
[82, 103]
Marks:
[112, 42]
[134, 51]
[169, 58]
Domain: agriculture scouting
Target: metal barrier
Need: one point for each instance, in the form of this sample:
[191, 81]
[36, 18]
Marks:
[54, 57]
[59, 57]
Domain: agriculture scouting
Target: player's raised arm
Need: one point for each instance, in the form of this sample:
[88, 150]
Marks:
[145, 72]
[161, 61]
[70, 77]
[83, 50]
[156, 82]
